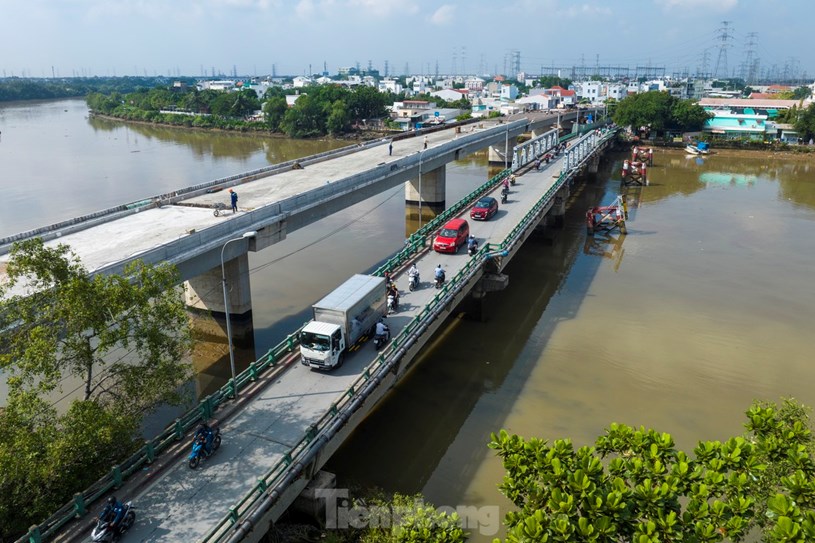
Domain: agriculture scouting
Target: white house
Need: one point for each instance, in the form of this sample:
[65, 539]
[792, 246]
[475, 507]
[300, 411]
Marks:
[509, 92]
[449, 95]
[300, 82]
[537, 101]
[390, 85]
[224, 85]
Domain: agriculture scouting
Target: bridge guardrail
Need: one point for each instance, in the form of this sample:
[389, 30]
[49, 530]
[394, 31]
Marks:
[78, 507]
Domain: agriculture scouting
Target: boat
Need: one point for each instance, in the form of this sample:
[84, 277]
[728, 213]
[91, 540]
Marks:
[701, 148]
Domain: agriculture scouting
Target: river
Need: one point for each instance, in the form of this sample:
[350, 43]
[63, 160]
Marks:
[703, 307]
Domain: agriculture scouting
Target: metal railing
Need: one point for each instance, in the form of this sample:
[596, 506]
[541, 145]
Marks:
[78, 507]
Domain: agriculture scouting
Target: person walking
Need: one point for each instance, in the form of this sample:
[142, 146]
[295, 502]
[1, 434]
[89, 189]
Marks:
[390, 148]
[234, 197]
[425, 142]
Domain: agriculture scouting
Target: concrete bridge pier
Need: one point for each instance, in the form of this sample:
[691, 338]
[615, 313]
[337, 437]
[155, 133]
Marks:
[206, 290]
[425, 198]
[594, 163]
[496, 155]
[557, 215]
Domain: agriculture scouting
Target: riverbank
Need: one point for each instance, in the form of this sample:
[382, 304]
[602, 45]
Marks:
[735, 148]
[249, 130]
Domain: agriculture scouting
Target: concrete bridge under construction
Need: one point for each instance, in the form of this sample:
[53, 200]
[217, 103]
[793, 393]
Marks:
[288, 420]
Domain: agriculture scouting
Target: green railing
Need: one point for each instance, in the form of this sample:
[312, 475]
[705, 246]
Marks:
[205, 409]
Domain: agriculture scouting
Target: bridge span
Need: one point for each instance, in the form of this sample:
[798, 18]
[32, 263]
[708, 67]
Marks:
[289, 419]
[180, 227]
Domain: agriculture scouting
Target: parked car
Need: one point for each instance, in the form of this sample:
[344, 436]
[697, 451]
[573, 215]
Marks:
[453, 235]
[484, 209]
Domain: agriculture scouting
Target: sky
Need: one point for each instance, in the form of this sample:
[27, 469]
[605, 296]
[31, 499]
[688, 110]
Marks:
[64, 38]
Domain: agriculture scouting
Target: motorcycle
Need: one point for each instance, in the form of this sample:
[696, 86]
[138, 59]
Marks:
[199, 449]
[104, 533]
[382, 339]
[511, 179]
[439, 280]
[392, 304]
[413, 283]
[472, 249]
[504, 194]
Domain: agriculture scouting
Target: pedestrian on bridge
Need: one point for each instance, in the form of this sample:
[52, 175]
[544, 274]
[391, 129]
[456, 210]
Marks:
[390, 148]
[234, 197]
[425, 142]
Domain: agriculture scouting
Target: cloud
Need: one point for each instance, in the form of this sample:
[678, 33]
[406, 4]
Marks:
[719, 5]
[443, 15]
[384, 8]
[585, 10]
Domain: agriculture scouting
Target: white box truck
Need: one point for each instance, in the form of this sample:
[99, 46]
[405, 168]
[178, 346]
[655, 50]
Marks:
[340, 319]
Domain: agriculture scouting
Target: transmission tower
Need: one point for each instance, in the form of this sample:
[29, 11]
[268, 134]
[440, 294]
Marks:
[454, 69]
[725, 35]
[747, 68]
[386, 68]
[515, 62]
[464, 59]
[437, 68]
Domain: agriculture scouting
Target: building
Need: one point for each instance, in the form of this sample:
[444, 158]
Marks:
[508, 92]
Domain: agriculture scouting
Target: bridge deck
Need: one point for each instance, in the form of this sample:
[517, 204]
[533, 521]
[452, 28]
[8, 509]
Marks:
[183, 505]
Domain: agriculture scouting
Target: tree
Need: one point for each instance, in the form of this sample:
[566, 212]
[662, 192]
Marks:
[645, 109]
[69, 324]
[801, 93]
[338, 120]
[306, 119]
[804, 122]
[273, 110]
[635, 486]
[45, 457]
[367, 103]
[687, 115]
[123, 337]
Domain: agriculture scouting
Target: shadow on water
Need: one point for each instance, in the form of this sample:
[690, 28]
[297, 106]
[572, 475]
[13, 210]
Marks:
[402, 444]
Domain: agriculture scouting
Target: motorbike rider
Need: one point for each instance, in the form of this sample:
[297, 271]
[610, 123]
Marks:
[112, 513]
[394, 292]
[506, 184]
[472, 244]
[381, 329]
[414, 272]
[439, 274]
[205, 434]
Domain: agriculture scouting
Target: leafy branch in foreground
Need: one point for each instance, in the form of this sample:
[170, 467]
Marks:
[635, 486]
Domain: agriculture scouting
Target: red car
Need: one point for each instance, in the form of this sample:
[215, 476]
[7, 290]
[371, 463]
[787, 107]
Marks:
[452, 236]
[484, 209]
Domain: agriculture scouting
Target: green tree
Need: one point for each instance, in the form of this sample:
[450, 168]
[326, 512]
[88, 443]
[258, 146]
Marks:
[801, 92]
[123, 337]
[45, 457]
[274, 109]
[68, 323]
[550, 81]
[367, 103]
[804, 122]
[687, 115]
[339, 120]
[414, 521]
[645, 109]
[306, 119]
[635, 486]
